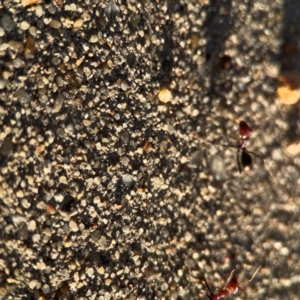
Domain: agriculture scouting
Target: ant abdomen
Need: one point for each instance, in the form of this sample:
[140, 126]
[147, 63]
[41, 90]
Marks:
[246, 160]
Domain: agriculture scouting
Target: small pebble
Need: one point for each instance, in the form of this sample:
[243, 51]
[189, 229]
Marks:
[126, 229]
[87, 71]
[107, 296]
[46, 289]
[23, 233]
[2, 84]
[165, 95]
[7, 23]
[20, 194]
[47, 231]
[102, 241]
[51, 210]
[32, 225]
[36, 238]
[108, 281]
[16, 47]
[96, 235]
[25, 203]
[77, 24]
[24, 25]
[195, 112]
[111, 8]
[18, 63]
[63, 180]
[7, 147]
[128, 180]
[73, 226]
[39, 11]
[33, 283]
[94, 39]
[58, 103]
[90, 272]
[4, 46]
[55, 24]
[23, 96]
[124, 86]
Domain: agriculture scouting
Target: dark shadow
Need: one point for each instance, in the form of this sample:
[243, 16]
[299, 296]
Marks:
[217, 29]
[290, 61]
[165, 54]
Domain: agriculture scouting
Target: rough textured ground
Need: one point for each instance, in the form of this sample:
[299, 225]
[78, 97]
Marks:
[110, 189]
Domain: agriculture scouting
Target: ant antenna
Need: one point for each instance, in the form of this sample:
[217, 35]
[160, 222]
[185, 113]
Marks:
[261, 123]
[254, 274]
[211, 293]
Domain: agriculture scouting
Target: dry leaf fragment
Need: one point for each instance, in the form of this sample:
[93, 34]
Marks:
[288, 96]
[147, 146]
[30, 2]
[29, 47]
[293, 149]
[51, 210]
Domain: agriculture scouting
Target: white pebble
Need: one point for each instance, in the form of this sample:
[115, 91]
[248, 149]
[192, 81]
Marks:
[128, 180]
[33, 283]
[97, 180]
[73, 226]
[20, 194]
[90, 272]
[32, 225]
[2, 84]
[24, 25]
[46, 289]
[25, 203]
[94, 39]
[63, 180]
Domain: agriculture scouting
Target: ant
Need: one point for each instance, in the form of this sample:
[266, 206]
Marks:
[243, 156]
[231, 286]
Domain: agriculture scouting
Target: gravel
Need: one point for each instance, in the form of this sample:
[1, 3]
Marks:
[113, 183]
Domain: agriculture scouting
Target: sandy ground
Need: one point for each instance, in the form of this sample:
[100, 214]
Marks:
[113, 183]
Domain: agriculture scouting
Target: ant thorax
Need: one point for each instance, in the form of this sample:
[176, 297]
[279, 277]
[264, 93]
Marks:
[245, 131]
[231, 287]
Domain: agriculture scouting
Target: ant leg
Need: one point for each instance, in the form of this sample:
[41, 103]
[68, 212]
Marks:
[208, 288]
[238, 160]
[232, 137]
[263, 159]
[223, 145]
[253, 275]
[241, 288]
[261, 123]
[228, 145]
[229, 278]
[257, 155]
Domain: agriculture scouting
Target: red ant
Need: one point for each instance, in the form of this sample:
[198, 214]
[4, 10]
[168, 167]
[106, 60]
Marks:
[243, 156]
[231, 286]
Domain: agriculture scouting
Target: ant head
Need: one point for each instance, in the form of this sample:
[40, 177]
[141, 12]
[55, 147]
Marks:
[246, 160]
[232, 286]
[245, 130]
